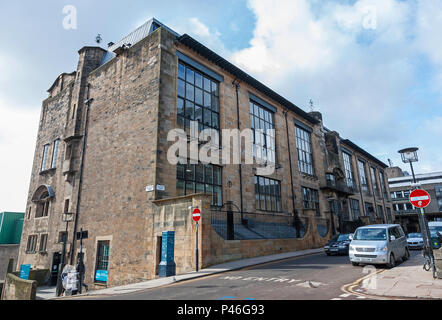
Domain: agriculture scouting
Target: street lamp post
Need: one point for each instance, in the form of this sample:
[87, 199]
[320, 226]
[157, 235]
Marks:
[409, 155]
[67, 217]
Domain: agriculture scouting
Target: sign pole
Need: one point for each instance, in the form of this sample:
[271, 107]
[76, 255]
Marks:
[196, 249]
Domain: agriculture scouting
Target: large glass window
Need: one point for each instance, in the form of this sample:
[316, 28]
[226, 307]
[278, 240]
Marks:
[348, 169]
[354, 204]
[55, 154]
[43, 242]
[45, 157]
[200, 178]
[362, 174]
[198, 100]
[310, 199]
[31, 246]
[374, 181]
[380, 212]
[438, 190]
[262, 125]
[369, 209]
[267, 194]
[305, 153]
[384, 188]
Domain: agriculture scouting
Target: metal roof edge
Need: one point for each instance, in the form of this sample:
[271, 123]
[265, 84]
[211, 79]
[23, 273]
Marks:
[363, 152]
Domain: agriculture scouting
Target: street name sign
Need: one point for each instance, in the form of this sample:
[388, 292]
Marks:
[420, 198]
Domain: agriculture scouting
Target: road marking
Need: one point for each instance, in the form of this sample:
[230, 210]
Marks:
[336, 299]
[361, 297]
[345, 295]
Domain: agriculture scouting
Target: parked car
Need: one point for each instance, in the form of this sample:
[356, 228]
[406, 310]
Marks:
[415, 241]
[338, 244]
[435, 227]
[379, 244]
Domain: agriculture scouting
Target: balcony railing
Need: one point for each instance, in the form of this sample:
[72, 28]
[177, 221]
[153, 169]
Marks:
[348, 187]
[411, 211]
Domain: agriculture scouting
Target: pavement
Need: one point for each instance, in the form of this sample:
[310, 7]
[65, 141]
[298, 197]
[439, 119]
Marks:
[407, 280]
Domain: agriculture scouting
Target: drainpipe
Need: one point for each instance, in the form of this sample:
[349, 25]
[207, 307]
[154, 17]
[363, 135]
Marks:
[291, 172]
[236, 85]
[87, 104]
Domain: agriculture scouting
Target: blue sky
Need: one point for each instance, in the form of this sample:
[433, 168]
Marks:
[372, 67]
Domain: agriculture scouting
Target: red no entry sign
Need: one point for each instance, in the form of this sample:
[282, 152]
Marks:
[420, 198]
[196, 215]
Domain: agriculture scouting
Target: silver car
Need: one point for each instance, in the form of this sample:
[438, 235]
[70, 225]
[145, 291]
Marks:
[379, 244]
[415, 241]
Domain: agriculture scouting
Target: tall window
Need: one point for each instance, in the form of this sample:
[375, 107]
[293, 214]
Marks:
[364, 184]
[380, 212]
[263, 140]
[32, 244]
[102, 264]
[198, 99]
[305, 153]
[43, 206]
[45, 157]
[389, 218]
[310, 199]
[354, 204]
[369, 209]
[374, 181]
[382, 180]
[200, 178]
[55, 154]
[348, 169]
[43, 242]
[267, 194]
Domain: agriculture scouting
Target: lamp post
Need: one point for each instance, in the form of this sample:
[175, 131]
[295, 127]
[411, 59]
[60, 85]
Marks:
[409, 155]
[66, 217]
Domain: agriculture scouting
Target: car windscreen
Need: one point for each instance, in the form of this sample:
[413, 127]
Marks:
[375, 234]
[435, 229]
[414, 235]
[344, 237]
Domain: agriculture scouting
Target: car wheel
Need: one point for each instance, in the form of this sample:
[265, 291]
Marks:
[392, 263]
[355, 264]
[327, 253]
[407, 255]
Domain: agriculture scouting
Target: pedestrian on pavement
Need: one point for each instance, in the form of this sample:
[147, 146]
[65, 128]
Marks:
[81, 269]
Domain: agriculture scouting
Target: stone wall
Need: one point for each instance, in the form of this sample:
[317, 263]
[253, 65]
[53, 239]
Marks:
[7, 252]
[18, 289]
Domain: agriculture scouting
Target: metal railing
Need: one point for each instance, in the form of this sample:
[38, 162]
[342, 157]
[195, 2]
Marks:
[249, 226]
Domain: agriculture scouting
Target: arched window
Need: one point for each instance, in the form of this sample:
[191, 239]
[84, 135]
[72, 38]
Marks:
[42, 198]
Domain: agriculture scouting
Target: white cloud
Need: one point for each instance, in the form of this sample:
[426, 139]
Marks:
[18, 133]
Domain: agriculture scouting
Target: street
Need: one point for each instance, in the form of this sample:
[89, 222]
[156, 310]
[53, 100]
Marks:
[313, 277]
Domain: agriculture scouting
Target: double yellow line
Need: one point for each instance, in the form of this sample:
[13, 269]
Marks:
[350, 288]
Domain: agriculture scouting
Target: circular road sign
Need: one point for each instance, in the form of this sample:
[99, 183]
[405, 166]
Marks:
[420, 198]
[196, 215]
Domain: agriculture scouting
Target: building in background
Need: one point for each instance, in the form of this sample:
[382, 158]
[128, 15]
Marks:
[11, 227]
[101, 155]
[400, 188]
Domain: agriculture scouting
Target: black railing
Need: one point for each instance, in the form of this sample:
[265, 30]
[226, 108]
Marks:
[348, 187]
[249, 226]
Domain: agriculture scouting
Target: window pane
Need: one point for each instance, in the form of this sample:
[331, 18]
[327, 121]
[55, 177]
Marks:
[181, 88]
[198, 114]
[189, 110]
[207, 85]
[190, 76]
[181, 71]
[190, 92]
[207, 100]
[198, 80]
[199, 96]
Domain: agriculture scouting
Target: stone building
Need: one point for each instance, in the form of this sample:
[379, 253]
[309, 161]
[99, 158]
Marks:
[101, 155]
[400, 188]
